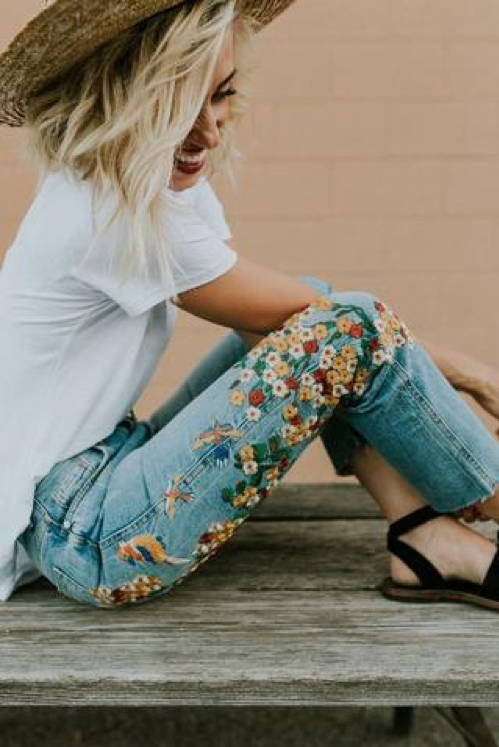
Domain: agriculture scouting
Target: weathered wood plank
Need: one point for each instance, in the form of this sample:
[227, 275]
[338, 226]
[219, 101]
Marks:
[286, 614]
[316, 501]
[248, 649]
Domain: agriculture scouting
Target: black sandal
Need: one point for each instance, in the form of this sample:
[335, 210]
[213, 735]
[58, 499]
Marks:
[434, 587]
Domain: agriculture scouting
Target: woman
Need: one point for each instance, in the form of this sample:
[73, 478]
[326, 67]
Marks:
[132, 110]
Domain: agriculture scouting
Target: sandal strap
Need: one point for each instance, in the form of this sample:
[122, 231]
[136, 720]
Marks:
[421, 566]
[412, 520]
[491, 581]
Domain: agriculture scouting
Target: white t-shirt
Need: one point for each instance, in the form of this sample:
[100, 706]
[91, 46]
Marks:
[78, 347]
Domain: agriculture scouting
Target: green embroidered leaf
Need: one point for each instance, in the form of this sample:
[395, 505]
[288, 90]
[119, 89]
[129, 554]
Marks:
[274, 443]
[235, 384]
[241, 486]
[260, 451]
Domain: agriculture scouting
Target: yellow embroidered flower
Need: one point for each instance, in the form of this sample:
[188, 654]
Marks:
[394, 323]
[272, 473]
[237, 397]
[290, 412]
[386, 339]
[324, 304]
[343, 324]
[320, 331]
[339, 363]
[333, 377]
[247, 453]
[282, 368]
[348, 351]
[281, 346]
[294, 339]
[345, 377]
[331, 400]
[306, 393]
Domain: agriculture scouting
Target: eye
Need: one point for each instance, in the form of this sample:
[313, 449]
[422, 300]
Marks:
[224, 94]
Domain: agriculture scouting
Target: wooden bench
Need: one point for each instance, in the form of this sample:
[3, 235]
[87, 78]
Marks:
[287, 613]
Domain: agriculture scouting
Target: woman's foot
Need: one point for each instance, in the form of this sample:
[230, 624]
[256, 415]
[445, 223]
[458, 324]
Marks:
[454, 549]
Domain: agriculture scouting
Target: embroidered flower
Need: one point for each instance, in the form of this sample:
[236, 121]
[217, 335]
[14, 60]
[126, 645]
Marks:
[141, 587]
[237, 397]
[250, 467]
[247, 453]
[253, 414]
[269, 376]
[343, 324]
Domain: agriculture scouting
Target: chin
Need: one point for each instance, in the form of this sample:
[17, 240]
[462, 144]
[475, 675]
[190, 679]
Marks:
[185, 181]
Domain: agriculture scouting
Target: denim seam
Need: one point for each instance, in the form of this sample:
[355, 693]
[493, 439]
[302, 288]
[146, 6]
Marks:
[428, 410]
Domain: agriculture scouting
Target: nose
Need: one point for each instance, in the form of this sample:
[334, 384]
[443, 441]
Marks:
[206, 132]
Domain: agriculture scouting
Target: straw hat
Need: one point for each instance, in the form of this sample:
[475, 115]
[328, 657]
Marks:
[66, 31]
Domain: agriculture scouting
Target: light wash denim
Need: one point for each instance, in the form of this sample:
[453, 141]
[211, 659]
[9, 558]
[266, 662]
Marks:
[129, 518]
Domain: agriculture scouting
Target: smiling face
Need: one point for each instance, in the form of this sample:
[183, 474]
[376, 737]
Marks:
[205, 135]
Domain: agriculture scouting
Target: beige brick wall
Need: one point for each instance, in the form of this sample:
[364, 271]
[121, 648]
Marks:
[372, 147]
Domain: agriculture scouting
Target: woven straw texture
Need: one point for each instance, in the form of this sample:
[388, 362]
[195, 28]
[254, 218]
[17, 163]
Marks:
[68, 30]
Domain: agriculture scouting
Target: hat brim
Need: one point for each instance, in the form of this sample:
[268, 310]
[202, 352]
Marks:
[68, 30]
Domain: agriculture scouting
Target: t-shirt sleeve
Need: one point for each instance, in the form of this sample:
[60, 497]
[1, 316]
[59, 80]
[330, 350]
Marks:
[198, 254]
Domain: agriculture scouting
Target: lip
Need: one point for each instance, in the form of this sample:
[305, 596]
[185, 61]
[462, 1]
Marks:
[186, 168]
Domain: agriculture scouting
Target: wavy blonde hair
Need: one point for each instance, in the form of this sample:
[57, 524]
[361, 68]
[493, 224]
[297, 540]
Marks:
[117, 117]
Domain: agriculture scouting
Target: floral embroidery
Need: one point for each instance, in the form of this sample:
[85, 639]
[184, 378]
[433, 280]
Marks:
[172, 494]
[133, 591]
[216, 435]
[215, 536]
[147, 548]
[315, 364]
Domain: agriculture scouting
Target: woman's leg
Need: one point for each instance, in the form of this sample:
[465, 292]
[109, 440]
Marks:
[452, 547]
[175, 501]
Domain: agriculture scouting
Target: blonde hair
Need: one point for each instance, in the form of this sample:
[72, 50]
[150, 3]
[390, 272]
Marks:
[117, 118]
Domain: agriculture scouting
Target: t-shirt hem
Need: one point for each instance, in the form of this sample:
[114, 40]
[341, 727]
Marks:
[216, 272]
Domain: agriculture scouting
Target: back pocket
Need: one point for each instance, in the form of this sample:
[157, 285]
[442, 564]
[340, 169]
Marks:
[69, 480]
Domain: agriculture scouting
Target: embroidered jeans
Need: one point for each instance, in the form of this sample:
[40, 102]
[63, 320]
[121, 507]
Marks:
[132, 516]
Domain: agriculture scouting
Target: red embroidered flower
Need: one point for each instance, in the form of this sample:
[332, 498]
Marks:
[374, 344]
[256, 397]
[292, 382]
[283, 464]
[310, 346]
[356, 330]
[296, 420]
[320, 375]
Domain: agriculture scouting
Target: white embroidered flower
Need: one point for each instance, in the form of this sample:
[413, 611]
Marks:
[379, 357]
[351, 365]
[339, 389]
[398, 339]
[380, 324]
[319, 401]
[325, 363]
[253, 501]
[287, 430]
[280, 389]
[329, 351]
[253, 413]
[245, 375]
[272, 358]
[296, 351]
[269, 376]
[306, 335]
[307, 380]
[317, 389]
[250, 468]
